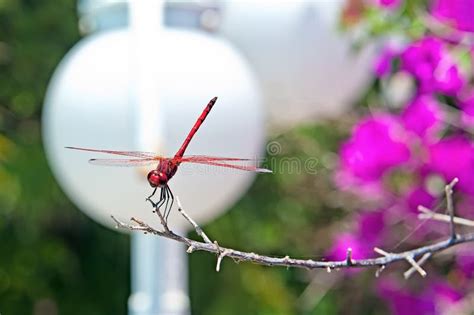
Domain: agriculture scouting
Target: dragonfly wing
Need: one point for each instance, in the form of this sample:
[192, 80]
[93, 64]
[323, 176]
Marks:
[138, 154]
[249, 168]
[206, 158]
[123, 162]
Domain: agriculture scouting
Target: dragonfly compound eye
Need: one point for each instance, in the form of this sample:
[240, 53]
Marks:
[157, 179]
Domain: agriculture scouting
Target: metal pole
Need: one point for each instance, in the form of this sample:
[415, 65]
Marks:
[159, 277]
[159, 266]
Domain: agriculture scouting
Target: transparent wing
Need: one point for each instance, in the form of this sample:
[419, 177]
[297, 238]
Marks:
[138, 154]
[206, 158]
[219, 163]
[123, 162]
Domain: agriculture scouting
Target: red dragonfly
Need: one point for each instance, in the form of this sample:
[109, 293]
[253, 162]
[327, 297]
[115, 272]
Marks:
[167, 167]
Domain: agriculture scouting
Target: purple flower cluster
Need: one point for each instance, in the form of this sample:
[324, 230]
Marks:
[430, 63]
[399, 160]
[458, 13]
[383, 131]
[383, 143]
[401, 301]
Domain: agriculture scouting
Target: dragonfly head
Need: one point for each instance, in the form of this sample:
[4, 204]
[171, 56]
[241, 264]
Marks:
[157, 178]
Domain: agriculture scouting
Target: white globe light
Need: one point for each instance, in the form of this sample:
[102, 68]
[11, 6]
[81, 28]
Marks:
[90, 103]
[307, 66]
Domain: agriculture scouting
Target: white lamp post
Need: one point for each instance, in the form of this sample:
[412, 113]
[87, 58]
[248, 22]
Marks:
[95, 100]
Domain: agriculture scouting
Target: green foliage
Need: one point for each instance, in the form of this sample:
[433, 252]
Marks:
[407, 20]
[54, 260]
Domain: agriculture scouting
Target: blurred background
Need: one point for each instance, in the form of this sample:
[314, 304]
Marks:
[322, 88]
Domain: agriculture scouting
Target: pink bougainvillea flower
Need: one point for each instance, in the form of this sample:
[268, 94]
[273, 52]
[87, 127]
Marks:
[389, 4]
[465, 263]
[403, 302]
[447, 78]
[424, 117]
[430, 63]
[454, 157]
[457, 13]
[444, 292]
[419, 196]
[377, 144]
[467, 107]
[422, 57]
[371, 225]
[431, 301]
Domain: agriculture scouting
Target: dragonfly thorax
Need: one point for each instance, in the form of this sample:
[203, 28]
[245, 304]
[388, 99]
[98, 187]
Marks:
[160, 176]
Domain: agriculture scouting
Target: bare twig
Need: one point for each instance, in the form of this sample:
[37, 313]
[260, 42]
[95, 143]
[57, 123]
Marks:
[415, 266]
[449, 202]
[299, 263]
[429, 214]
[387, 258]
[198, 229]
[408, 258]
[349, 256]
[162, 219]
[219, 259]
[381, 252]
[407, 274]
[379, 271]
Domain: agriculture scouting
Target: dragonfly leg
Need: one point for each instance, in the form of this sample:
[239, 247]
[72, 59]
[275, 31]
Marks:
[171, 196]
[152, 194]
[156, 204]
[161, 201]
[166, 199]
[165, 203]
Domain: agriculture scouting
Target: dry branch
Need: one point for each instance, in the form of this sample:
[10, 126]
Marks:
[386, 258]
[429, 214]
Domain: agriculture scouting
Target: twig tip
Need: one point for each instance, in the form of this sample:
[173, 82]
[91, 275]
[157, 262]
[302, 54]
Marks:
[349, 256]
